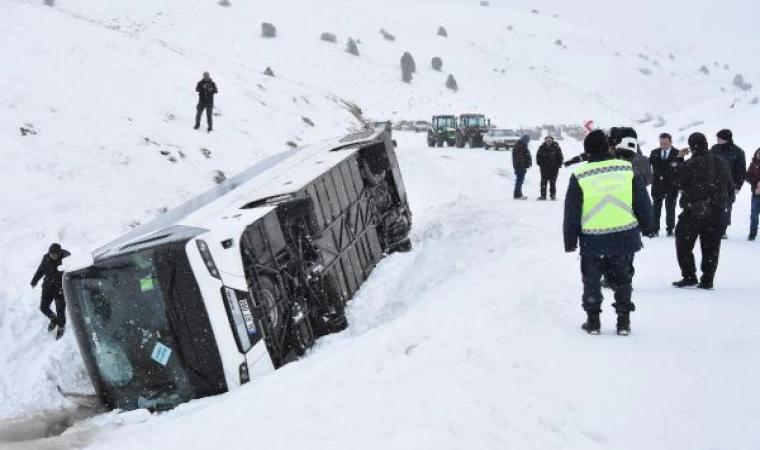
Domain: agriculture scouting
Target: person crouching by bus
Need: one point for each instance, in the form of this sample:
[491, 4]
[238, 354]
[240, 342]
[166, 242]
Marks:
[606, 209]
[521, 162]
[706, 185]
[52, 287]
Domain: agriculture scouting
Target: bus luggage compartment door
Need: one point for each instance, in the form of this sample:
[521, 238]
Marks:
[349, 242]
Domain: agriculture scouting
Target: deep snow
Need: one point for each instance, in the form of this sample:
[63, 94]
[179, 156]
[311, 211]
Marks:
[472, 340]
[473, 337]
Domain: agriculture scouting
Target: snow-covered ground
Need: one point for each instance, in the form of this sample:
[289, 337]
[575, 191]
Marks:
[472, 339]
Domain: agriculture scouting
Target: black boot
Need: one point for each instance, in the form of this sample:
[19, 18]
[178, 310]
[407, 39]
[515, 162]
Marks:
[59, 333]
[706, 284]
[52, 325]
[592, 324]
[686, 282]
[624, 324]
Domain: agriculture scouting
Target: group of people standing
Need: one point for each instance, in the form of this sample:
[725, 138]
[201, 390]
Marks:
[608, 207]
[549, 159]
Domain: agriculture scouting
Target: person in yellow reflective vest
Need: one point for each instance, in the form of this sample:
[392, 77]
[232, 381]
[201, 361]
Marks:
[607, 209]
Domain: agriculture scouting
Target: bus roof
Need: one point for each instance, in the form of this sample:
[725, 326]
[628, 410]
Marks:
[281, 174]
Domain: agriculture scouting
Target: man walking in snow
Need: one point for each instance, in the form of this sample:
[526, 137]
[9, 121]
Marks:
[706, 185]
[549, 159]
[52, 287]
[666, 165]
[206, 89]
[753, 178]
[521, 162]
[737, 165]
[606, 209]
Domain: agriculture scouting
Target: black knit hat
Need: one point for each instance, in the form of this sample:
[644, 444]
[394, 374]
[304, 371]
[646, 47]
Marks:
[55, 249]
[698, 142]
[726, 135]
[596, 142]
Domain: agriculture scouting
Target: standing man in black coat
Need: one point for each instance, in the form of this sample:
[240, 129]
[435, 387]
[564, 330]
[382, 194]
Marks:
[706, 185]
[206, 89]
[737, 165]
[52, 287]
[666, 165]
[549, 159]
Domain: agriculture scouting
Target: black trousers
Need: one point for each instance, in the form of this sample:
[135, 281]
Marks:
[551, 180]
[619, 271]
[709, 234]
[50, 295]
[670, 200]
[209, 108]
[727, 214]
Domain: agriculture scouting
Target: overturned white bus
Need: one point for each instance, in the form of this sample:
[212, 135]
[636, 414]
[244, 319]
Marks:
[240, 280]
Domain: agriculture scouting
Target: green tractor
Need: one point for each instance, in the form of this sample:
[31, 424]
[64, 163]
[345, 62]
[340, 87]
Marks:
[442, 129]
[472, 128]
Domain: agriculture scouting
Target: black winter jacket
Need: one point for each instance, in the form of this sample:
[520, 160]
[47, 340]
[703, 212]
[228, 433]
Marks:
[706, 184]
[521, 157]
[206, 90]
[49, 270]
[549, 158]
[666, 172]
[621, 243]
[737, 162]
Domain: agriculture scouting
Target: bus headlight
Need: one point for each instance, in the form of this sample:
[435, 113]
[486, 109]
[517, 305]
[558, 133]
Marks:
[208, 259]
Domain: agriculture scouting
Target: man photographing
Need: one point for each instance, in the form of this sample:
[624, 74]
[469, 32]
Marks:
[206, 89]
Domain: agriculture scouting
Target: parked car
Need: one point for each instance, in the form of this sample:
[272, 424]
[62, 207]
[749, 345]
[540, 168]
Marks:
[500, 138]
[421, 126]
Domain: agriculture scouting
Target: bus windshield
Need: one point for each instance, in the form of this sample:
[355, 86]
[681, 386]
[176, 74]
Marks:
[127, 334]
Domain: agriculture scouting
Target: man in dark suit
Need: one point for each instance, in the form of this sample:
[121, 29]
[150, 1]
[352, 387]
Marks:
[666, 164]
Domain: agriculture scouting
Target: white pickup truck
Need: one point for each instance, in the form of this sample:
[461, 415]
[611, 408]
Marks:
[500, 138]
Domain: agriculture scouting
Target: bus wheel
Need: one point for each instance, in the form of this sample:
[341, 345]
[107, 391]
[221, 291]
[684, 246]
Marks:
[270, 296]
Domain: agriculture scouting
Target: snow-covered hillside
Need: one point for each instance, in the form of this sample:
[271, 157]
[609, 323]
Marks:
[109, 89]
[114, 147]
[518, 66]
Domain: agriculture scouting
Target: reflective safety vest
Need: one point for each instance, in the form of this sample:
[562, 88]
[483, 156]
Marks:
[607, 197]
